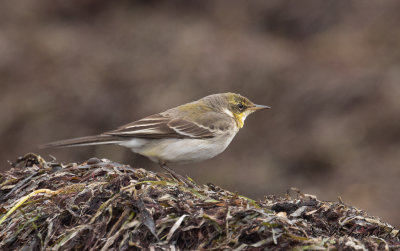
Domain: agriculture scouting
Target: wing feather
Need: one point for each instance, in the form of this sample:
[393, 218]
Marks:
[160, 126]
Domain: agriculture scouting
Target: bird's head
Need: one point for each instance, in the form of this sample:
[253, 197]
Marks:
[240, 107]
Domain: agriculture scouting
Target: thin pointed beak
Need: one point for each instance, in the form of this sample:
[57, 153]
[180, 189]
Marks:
[260, 107]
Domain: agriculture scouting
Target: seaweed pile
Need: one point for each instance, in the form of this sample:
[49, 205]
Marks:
[103, 205]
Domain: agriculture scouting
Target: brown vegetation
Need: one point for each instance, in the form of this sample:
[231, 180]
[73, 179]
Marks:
[103, 205]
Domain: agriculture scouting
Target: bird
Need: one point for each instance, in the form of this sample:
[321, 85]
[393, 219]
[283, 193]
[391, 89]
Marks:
[188, 133]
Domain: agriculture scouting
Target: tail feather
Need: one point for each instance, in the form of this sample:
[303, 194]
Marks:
[83, 141]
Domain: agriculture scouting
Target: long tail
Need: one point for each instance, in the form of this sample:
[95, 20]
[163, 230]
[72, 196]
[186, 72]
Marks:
[83, 141]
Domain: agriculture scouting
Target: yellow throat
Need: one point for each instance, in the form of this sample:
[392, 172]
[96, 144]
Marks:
[239, 118]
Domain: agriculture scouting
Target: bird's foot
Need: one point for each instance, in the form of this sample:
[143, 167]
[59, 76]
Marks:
[179, 177]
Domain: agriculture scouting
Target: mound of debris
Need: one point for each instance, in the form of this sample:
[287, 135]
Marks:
[103, 205]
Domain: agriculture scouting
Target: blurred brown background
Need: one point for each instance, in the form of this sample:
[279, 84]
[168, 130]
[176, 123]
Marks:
[329, 69]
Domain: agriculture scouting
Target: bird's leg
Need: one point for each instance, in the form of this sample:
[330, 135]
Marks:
[177, 176]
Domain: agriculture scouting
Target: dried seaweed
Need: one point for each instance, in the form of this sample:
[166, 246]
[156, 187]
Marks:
[103, 205]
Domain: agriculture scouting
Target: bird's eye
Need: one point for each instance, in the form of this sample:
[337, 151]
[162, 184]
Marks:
[240, 106]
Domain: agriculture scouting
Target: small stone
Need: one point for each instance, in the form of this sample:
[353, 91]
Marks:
[93, 161]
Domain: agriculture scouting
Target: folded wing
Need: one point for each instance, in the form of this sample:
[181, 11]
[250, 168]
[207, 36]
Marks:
[159, 126]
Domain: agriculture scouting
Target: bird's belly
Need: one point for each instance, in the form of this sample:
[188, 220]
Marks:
[180, 150]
